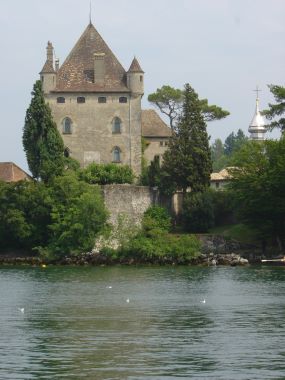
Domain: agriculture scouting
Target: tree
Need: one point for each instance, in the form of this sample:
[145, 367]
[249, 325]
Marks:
[234, 142]
[154, 172]
[258, 185]
[187, 162]
[42, 142]
[198, 212]
[277, 109]
[78, 214]
[169, 101]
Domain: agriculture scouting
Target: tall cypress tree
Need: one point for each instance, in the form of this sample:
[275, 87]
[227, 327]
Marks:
[42, 142]
[187, 162]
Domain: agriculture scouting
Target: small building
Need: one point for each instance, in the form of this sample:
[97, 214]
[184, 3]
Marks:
[220, 180]
[156, 134]
[10, 172]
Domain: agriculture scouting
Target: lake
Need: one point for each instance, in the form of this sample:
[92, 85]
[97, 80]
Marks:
[142, 323]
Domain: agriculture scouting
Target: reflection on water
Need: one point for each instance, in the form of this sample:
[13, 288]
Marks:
[78, 325]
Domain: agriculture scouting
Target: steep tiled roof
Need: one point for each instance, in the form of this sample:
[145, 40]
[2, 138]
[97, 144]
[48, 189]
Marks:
[77, 71]
[48, 68]
[10, 172]
[135, 67]
[153, 126]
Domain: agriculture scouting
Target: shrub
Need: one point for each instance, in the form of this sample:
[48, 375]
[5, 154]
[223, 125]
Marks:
[156, 217]
[104, 174]
[198, 212]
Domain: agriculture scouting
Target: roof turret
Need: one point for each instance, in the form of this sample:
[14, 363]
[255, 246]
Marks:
[135, 67]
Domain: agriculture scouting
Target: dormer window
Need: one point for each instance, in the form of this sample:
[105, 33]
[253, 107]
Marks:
[116, 128]
[102, 99]
[67, 126]
[80, 99]
[116, 152]
[123, 99]
[60, 99]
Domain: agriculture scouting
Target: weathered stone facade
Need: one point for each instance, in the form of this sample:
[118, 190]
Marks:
[96, 105]
[128, 201]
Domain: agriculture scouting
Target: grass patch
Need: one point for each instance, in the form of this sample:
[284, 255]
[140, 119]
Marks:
[239, 232]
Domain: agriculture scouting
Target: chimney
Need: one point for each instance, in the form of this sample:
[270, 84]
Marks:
[57, 65]
[50, 52]
[99, 68]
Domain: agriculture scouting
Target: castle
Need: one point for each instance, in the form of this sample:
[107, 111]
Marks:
[96, 105]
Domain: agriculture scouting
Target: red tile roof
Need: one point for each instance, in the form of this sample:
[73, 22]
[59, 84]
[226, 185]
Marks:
[77, 72]
[10, 172]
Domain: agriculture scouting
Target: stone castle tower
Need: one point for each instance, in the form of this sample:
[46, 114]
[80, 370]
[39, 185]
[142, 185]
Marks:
[95, 103]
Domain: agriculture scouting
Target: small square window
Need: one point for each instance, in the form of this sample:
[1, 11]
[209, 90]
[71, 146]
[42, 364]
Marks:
[60, 99]
[123, 99]
[80, 99]
[102, 99]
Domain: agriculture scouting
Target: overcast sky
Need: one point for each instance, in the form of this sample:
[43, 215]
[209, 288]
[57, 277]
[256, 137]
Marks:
[223, 48]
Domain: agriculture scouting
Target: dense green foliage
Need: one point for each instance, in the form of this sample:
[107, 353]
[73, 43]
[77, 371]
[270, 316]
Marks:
[154, 173]
[25, 213]
[198, 212]
[276, 110]
[42, 142]
[169, 101]
[105, 174]
[234, 142]
[154, 243]
[187, 161]
[156, 217]
[258, 187]
[78, 214]
[222, 153]
[62, 217]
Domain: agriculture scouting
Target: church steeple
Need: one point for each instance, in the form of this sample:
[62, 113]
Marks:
[257, 128]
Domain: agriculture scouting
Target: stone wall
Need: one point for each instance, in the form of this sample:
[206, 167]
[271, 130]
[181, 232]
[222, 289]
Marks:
[129, 201]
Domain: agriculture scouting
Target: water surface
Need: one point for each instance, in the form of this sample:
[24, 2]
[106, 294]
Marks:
[77, 323]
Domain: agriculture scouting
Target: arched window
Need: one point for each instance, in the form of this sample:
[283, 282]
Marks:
[67, 124]
[116, 154]
[116, 125]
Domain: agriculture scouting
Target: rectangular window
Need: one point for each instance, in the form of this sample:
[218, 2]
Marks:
[60, 99]
[80, 99]
[161, 143]
[123, 99]
[102, 99]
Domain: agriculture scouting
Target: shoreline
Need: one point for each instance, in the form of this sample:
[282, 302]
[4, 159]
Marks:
[97, 259]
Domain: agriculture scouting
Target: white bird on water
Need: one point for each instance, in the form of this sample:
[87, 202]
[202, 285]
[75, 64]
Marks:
[21, 309]
[109, 287]
[128, 300]
[203, 301]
